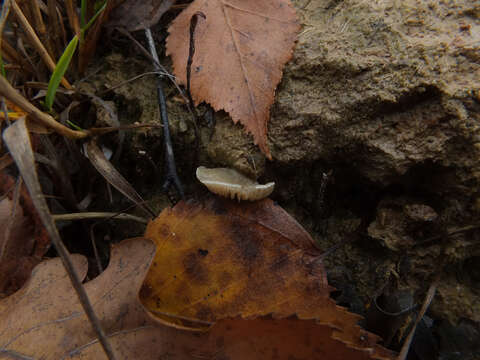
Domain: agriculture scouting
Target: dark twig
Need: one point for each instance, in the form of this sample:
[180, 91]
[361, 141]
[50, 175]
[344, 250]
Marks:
[18, 142]
[171, 175]
[191, 52]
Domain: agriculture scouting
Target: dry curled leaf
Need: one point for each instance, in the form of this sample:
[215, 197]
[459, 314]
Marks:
[240, 51]
[222, 259]
[44, 319]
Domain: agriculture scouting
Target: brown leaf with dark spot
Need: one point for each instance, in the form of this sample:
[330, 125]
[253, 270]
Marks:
[240, 51]
[223, 259]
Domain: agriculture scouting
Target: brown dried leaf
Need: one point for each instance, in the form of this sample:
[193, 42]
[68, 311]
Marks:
[223, 259]
[139, 14]
[16, 243]
[45, 320]
[112, 175]
[23, 239]
[240, 51]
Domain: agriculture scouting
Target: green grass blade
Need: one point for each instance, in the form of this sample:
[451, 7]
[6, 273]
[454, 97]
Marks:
[94, 17]
[59, 71]
[66, 58]
[83, 13]
[2, 66]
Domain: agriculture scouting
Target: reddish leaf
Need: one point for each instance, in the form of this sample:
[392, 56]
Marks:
[223, 259]
[236, 339]
[23, 239]
[241, 49]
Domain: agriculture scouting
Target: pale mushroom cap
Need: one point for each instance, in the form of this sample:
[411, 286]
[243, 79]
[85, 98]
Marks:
[232, 184]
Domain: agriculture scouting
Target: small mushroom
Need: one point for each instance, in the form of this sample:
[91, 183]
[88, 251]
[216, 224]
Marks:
[232, 184]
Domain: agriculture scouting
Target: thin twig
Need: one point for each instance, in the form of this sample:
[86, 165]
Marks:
[156, 63]
[171, 175]
[428, 299]
[116, 86]
[18, 142]
[95, 248]
[98, 215]
[450, 232]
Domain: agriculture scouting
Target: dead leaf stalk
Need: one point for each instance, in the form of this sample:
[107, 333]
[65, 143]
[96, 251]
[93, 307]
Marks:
[98, 215]
[108, 171]
[32, 36]
[18, 142]
[15, 97]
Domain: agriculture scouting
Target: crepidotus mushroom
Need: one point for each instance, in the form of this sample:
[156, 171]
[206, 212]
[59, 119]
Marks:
[232, 184]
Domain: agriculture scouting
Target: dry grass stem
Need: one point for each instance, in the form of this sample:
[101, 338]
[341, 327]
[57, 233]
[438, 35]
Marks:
[72, 16]
[15, 97]
[99, 215]
[32, 36]
[54, 29]
[13, 56]
[40, 27]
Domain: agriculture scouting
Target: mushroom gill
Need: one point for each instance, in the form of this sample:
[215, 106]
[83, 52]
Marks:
[232, 184]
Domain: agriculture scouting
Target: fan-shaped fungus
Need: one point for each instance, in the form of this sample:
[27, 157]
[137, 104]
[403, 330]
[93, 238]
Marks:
[232, 184]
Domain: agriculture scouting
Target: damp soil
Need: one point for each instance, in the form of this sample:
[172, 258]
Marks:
[375, 140]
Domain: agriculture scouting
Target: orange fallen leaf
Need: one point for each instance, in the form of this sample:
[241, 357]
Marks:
[222, 259]
[240, 51]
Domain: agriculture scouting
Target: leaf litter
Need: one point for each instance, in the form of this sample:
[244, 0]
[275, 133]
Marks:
[45, 320]
[240, 51]
[220, 259]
